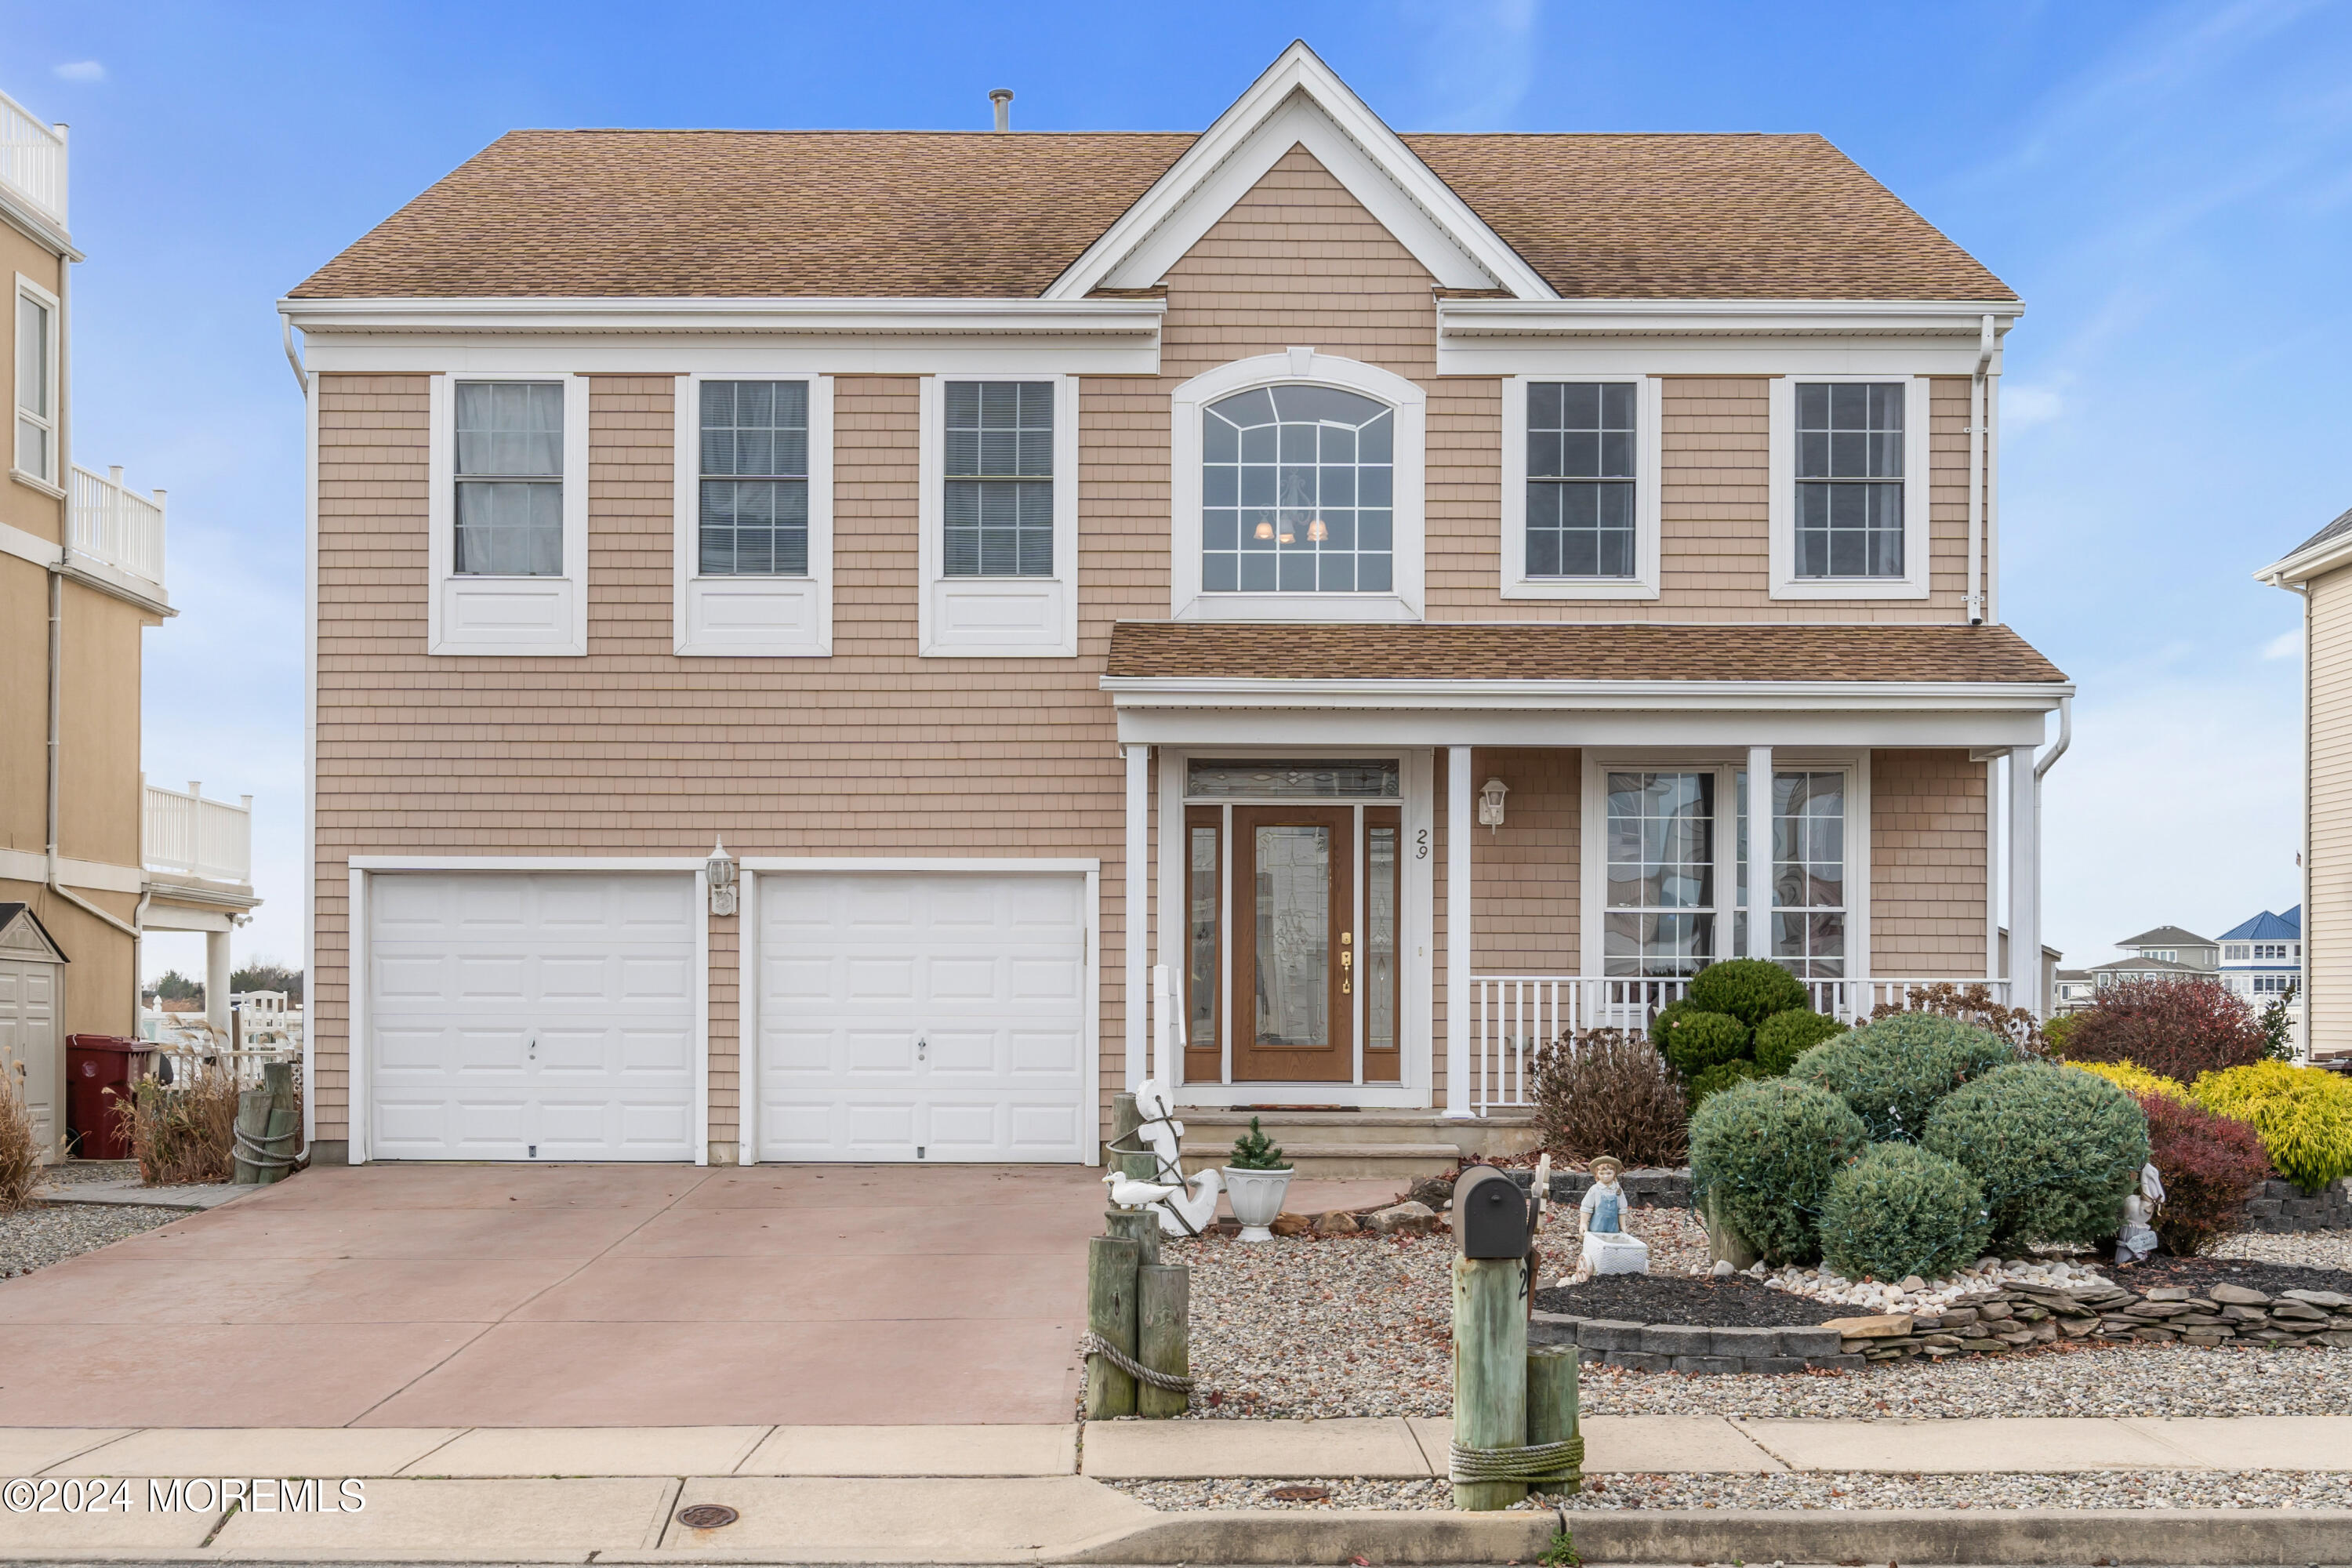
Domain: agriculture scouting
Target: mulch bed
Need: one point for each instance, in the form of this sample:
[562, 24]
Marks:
[1734, 1302]
[2194, 1273]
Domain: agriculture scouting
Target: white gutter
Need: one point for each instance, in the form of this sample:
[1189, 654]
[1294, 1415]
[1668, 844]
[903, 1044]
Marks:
[1189, 692]
[1977, 476]
[1552, 318]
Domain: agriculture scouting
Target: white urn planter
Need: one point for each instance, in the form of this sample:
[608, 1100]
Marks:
[1257, 1197]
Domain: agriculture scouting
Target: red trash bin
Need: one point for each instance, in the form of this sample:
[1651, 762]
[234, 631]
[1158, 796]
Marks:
[94, 1065]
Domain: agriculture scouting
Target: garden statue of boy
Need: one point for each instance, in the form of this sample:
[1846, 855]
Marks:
[1607, 1248]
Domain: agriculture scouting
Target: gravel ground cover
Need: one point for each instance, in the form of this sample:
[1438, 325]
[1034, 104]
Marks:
[41, 1234]
[2269, 1276]
[1735, 1302]
[2309, 1248]
[74, 1172]
[1176, 1497]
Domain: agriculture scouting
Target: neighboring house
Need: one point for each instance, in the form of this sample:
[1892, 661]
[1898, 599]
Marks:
[1354, 574]
[2262, 960]
[90, 855]
[2172, 945]
[2320, 570]
[2075, 989]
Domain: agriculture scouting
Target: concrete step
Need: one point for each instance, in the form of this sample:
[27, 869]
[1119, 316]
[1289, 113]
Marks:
[1304, 1127]
[1322, 1162]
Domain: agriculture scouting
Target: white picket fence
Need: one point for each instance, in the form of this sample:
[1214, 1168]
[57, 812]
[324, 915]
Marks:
[187, 1061]
[1512, 1016]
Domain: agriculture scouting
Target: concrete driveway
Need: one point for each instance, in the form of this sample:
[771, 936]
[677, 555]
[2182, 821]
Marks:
[574, 1296]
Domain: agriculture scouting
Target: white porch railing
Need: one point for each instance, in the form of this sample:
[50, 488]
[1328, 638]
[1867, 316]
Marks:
[1513, 1014]
[33, 158]
[184, 832]
[113, 524]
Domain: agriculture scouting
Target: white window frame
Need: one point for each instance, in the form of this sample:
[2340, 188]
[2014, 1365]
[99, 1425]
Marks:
[1592, 870]
[545, 616]
[53, 482]
[1648, 408]
[998, 617]
[751, 617]
[1294, 367]
[1917, 484]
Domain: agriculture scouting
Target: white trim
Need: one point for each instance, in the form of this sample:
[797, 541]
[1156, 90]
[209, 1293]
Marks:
[1296, 367]
[527, 862]
[1649, 411]
[1042, 865]
[558, 605]
[702, 1015]
[747, 1016]
[1749, 696]
[1917, 483]
[1419, 209]
[1291, 730]
[1758, 891]
[997, 618]
[1461, 915]
[1417, 977]
[54, 421]
[308, 858]
[1093, 1046]
[355, 1065]
[2302, 565]
[735, 313]
[1135, 917]
[750, 616]
[31, 483]
[33, 865]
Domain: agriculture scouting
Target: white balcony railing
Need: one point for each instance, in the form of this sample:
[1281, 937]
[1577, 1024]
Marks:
[1513, 1014]
[198, 837]
[113, 524]
[33, 158]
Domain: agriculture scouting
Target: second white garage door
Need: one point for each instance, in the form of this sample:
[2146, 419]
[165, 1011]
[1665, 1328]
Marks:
[922, 1016]
[531, 1016]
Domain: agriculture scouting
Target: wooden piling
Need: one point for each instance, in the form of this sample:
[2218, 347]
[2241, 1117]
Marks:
[1164, 1333]
[269, 1116]
[1140, 1226]
[1126, 1121]
[1551, 1409]
[1111, 1265]
[1490, 1370]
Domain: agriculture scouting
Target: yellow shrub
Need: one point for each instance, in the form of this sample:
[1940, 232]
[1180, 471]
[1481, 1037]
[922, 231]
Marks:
[2302, 1115]
[2134, 1078]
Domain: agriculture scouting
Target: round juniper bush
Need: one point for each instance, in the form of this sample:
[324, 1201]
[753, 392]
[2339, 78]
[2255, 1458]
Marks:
[1781, 1038]
[1701, 1040]
[1899, 1210]
[2056, 1151]
[1894, 1071]
[1764, 1153]
[1661, 1027]
[1750, 989]
[1723, 1075]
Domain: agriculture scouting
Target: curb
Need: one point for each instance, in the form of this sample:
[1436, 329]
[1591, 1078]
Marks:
[2219, 1538]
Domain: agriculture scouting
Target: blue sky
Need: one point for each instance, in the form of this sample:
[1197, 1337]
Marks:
[2169, 188]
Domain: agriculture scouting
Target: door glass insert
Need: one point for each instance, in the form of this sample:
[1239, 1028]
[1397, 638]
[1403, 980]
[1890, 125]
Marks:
[1660, 835]
[1293, 866]
[1380, 938]
[1316, 779]
[1201, 943]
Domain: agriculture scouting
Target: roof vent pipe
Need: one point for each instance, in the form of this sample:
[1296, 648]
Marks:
[1003, 97]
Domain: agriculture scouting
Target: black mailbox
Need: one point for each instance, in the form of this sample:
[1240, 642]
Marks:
[1492, 1218]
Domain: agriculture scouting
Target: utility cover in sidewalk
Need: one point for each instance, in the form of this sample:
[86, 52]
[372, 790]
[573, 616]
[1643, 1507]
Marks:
[707, 1516]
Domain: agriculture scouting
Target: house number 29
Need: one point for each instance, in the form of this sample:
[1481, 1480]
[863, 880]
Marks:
[1421, 843]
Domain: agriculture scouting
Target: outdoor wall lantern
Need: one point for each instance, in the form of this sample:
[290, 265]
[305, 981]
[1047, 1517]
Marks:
[1490, 803]
[721, 872]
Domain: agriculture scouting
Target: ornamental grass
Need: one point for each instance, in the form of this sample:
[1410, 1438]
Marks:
[184, 1130]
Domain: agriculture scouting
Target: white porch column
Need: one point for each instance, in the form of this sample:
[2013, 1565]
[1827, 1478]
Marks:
[1759, 852]
[2024, 883]
[1457, 932]
[217, 970]
[1136, 917]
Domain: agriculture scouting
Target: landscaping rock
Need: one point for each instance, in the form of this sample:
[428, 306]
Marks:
[1339, 1222]
[1879, 1326]
[2237, 1296]
[1289, 1223]
[1434, 1193]
[1408, 1218]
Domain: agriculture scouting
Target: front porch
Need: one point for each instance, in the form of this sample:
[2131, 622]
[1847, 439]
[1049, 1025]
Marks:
[1302, 845]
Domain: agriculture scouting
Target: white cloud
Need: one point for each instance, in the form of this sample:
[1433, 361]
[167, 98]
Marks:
[2286, 644]
[80, 70]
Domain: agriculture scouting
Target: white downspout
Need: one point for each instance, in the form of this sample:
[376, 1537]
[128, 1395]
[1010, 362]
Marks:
[2041, 766]
[1979, 444]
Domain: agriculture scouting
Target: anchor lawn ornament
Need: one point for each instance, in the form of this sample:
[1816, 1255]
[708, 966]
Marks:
[1185, 1208]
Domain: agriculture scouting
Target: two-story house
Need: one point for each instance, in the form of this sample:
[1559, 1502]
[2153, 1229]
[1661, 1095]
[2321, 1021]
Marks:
[2319, 572]
[90, 855]
[2262, 959]
[1353, 577]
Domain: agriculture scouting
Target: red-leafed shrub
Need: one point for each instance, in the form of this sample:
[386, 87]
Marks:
[2178, 1029]
[2207, 1163]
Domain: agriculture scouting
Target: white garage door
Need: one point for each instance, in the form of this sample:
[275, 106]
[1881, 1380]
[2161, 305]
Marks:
[922, 1016]
[544, 1015]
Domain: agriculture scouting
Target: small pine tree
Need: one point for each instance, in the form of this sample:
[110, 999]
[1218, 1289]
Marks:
[1254, 1150]
[2277, 1024]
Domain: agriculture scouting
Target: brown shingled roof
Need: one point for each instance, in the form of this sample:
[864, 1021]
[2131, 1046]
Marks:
[1492, 652]
[818, 214]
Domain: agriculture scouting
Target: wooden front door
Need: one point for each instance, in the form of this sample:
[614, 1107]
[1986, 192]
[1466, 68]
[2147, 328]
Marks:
[1294, 944]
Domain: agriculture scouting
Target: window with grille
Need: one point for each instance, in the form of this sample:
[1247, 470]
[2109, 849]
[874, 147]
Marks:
[754, 518]
[510, 476]
[1850, 479]
[998, 449]
[1580, 478]
[37, 388]
[1297, 492]
[1808, 903]
[1660, 919]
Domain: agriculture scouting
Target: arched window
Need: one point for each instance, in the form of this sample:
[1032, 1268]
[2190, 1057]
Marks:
[1297, 492]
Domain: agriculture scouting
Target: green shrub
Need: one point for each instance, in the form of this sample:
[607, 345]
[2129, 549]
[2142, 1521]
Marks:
[1723, 1075]
[2056, 1151]
[1662, 1028]
[1781, 1038]
[1893, 1070]
[1763, 1154]
[2302, 1115]
[1899, 1210]
[2055, 1032]
[1701, 1040]
[1750, 989]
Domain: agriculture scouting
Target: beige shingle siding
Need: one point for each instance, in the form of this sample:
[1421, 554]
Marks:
[1928, 844]
[1525, 877]
[2328, 923]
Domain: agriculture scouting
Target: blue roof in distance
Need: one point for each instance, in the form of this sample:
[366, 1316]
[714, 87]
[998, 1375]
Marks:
[2268, 927]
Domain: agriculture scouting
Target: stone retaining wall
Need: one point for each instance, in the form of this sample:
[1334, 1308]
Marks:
[1646, 1187]
[2277, 1205]
[1992, 1323]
